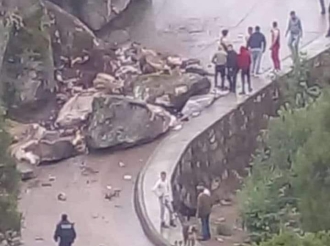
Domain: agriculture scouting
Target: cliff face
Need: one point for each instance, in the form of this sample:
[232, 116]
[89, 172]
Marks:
[27, 72]
[94, 13]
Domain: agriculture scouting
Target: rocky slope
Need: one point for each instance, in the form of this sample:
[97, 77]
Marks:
[73, 93]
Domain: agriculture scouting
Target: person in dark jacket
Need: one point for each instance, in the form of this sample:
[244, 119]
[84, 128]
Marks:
[232, 68]
[204, 207]
[65, 233]
[257, 46]
[244, 64]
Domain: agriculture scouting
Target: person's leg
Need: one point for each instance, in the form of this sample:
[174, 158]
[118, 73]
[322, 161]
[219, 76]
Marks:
[162, 212]
[235, 71]
[295, 45]
[207, 222]
[258, 61]
[290, 44]
[248, 77]
[243, 73]
[230, 78]
[277, 58]
[322, 7]
[253, 61]
[216, 74]
[204, 228]
[170, 211]
[273, 56]
[223, 76]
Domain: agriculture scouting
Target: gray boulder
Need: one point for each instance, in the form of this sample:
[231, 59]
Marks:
[75, 111]
[27, 72]
[121, 122]
[170, 91]
[40, 145]
[70, 37]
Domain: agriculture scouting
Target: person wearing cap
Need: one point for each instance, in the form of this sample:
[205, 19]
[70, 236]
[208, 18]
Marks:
[65, 233]
[162, 191]
[204, 207]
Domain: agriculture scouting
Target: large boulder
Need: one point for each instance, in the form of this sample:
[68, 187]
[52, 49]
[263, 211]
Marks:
[95, 13]
[38, 145]
[76, 110]
[121, 122]
[27, 72]
[170, 91]
[70, 37]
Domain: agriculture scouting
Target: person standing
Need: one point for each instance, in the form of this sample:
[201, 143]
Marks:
[224, 41]
[249, 33]
[257, 46]
[162, 191]
[65, 233]
[275, 46]
[219, 59]
[244, 64]
[322, 7]
[295, 32]
[232, 68]
[204, 207]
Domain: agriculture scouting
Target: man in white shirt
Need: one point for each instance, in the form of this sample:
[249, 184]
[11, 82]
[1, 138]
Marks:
[162, 191]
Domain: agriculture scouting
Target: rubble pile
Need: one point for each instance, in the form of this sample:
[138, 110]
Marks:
[83, 94]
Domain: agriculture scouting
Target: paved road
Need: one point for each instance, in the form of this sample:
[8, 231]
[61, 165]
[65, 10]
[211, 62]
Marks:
[186, 27]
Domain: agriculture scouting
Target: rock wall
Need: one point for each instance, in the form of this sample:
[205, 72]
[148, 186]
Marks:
[220, 155]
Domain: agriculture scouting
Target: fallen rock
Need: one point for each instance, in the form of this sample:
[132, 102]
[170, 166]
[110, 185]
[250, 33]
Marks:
[122, 122]
[70, 36]
[75, 111]
[26, 171]
[170, 91]
[117, 37]
[198, 69]
[196, 104]
[41, 145]
[107, 83]
[223, 230]
[61, 197]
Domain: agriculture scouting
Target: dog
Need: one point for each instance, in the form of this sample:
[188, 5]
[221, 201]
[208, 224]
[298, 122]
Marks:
[189, 235]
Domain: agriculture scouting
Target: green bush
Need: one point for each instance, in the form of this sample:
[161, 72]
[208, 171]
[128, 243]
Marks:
[291, 239]
[9, 180]
[288, 186]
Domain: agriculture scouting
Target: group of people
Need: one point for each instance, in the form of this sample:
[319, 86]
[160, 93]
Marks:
[228, 62]
[203, 211]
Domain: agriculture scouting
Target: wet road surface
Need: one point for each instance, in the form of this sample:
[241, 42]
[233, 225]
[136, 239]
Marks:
[186, 27]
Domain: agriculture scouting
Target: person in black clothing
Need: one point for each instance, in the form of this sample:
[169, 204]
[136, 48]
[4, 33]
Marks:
[232, 68]
[65, 232]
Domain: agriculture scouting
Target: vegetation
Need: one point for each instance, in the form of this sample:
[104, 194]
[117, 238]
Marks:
[288, 187]
[291, 239]
[9, 180]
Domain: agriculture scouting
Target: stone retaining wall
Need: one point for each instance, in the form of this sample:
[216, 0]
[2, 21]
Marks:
[216, 147]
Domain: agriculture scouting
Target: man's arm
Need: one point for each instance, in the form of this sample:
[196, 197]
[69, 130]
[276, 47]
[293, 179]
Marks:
[264, 43]
[199, 204]
[288, 29]
[155, 189]
[57, 233]
[74, 235]
[213, 58]
[300, 27]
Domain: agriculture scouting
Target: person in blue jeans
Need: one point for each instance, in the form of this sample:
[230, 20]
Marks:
[295, 33]
[257, 46]
[204, 207]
